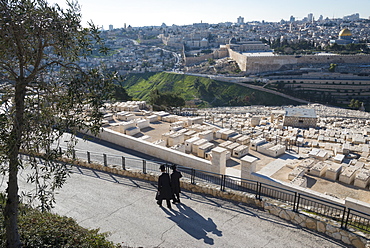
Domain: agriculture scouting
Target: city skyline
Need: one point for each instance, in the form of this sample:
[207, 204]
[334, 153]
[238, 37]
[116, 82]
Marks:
[154, 13]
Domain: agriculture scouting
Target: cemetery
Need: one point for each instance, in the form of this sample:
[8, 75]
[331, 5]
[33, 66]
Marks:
[327, 152]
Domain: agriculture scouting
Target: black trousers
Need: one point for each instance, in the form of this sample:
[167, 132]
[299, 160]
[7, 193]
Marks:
[176, 197]
[159, 202]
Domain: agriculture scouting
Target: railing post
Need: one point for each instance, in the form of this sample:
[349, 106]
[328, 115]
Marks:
[192, 176]
[223, 181]
[257, 186]
[60, 151]
[346, 223]
[88, 158]
[123, 163]
[144, 166]
[73, 153]
[259, 189]
[105, 159]
[297, 203]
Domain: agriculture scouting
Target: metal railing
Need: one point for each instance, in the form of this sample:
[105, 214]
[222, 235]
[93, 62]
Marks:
[300, 202]
[356, 219]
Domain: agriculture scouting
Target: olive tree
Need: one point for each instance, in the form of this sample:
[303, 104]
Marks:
[44, 92]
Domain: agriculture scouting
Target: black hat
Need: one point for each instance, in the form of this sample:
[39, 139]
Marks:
[162, 167]
[173, 167]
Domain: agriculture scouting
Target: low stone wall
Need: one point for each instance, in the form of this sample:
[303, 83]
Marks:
[161, 152]
[317, 224]
[279, 209]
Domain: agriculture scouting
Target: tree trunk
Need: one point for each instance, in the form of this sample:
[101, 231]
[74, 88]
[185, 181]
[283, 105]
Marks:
[11, 207]
[14, 143]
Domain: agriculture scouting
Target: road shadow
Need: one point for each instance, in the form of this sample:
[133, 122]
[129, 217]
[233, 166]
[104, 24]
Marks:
[193, 223]
[237, 208]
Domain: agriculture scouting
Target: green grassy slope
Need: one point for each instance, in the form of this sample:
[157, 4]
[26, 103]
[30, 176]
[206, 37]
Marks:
[211, 92]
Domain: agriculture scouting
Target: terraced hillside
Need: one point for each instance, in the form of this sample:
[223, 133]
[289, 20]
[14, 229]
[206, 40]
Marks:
[337, 90]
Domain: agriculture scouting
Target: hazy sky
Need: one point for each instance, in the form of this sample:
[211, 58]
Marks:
[155, 12]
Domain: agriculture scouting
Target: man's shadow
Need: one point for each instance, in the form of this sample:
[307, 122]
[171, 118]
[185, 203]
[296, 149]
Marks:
[193, 223]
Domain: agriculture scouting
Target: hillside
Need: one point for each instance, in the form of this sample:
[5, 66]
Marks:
[211, 93]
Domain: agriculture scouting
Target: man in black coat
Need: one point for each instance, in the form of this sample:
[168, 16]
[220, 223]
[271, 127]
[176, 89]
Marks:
[175, 183]
[164, 187]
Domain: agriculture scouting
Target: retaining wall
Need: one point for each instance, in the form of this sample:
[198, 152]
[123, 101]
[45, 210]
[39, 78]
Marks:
[158, 151]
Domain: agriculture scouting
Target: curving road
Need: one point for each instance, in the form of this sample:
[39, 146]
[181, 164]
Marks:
[126, 208]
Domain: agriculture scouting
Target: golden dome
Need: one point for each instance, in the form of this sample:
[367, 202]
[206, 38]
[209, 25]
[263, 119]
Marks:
[345, 32]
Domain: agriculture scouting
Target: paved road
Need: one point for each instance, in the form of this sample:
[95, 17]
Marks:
[126, 208]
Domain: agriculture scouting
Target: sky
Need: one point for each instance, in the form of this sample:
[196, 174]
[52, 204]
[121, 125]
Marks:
[139, 13]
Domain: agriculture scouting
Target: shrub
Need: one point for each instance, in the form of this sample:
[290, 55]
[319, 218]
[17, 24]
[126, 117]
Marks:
[44, 229]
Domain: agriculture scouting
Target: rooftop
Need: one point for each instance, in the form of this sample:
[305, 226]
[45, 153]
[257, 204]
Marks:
[300, 112]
